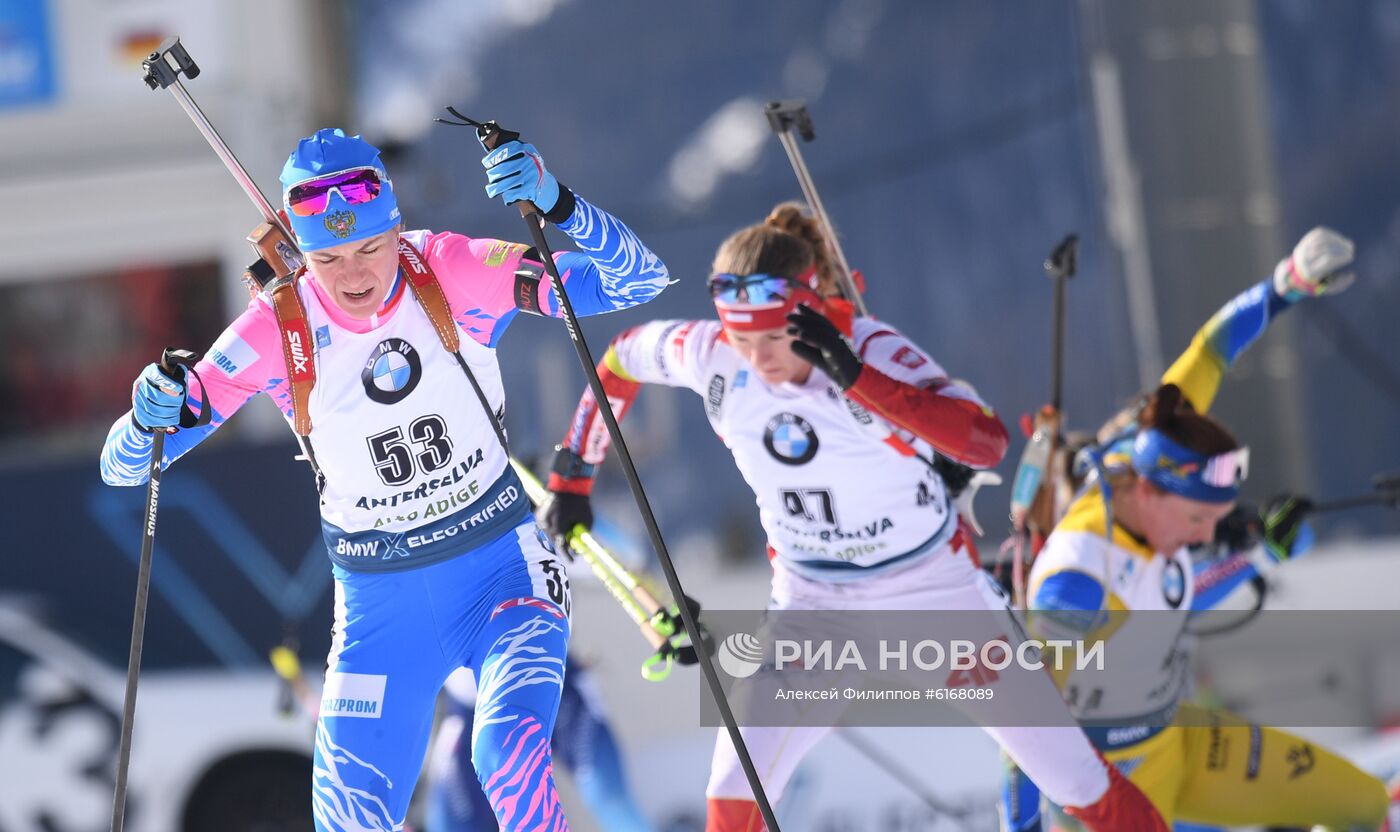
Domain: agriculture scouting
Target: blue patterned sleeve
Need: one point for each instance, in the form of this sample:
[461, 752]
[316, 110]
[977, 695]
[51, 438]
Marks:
[1241, 321]
[244, 361]
[613, 268]
[126, 456]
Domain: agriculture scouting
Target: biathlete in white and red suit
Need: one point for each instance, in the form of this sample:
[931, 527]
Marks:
[833, 422]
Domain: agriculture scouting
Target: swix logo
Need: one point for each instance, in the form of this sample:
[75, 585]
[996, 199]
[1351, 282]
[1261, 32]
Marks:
[368, 549]
[409, 256]
[296, 347]
[151, 509]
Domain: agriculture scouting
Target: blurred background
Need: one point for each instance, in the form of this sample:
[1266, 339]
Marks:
[1188, 144]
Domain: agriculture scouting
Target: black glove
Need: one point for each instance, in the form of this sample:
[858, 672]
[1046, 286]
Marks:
[687, 653]
[955, 475]
[821, 343]
[1283, 518]
[1240, 529]
[560, 513]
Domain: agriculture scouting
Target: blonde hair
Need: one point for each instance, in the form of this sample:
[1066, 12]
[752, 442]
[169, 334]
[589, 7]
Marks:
[786, 244]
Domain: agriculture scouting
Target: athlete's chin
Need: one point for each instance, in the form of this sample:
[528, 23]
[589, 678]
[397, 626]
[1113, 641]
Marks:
[771, 376]
[1171, 546]
[358, 306]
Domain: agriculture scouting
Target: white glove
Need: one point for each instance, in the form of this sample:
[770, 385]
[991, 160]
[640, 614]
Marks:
[1319, 265]
[963, 502]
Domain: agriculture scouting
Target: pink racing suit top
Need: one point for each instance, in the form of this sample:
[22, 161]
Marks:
[412, 467]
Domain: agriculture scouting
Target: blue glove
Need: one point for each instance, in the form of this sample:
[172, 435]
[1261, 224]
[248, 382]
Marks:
[515, 172]
[156, 398]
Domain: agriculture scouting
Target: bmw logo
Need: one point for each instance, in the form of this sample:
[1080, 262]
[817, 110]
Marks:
[392, 371]
[790, 439]
[1173, 584]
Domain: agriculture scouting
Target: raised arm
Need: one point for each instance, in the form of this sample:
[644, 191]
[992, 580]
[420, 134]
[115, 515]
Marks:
[614, 270]
[1318, 265]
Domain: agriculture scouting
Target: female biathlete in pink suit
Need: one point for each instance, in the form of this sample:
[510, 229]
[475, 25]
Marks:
[833, 423]
[437, 561]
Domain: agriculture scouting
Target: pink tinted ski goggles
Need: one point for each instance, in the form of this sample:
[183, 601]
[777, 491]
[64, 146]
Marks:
[356, 186]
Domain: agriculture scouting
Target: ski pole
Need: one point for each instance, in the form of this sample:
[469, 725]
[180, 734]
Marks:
[592, 550]
[583, 542]
[1060, 266]
[279, 257]
[1344, 503]
[1032, 492]
[638, 602]
[169, 360]
[1386, 493]
[784, 117]
[491, 136]
[273, 239]
[659, 625]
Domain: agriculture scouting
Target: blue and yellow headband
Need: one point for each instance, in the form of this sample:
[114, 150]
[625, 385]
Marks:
[1179, 470]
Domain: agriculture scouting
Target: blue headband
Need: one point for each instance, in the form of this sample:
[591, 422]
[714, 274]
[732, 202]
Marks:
[331, 151]
[1181, 471]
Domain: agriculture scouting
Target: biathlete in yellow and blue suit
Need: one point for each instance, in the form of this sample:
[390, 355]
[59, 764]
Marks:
[1161, 484]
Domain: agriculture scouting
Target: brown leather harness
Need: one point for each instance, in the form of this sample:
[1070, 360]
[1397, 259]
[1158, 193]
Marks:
[299, 356]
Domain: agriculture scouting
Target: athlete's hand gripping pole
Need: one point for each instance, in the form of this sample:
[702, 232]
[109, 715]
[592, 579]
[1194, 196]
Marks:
[171, 362]
[492, 135]
[659, 625]
[278, 255]
[784, 117]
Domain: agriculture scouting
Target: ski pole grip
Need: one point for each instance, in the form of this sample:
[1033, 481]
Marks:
[172, 357]
[492, 135]
[163, 66]
[788, 115]
[1064, 260]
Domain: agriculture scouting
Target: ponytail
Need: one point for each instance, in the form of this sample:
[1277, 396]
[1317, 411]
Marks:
[786, 244]
[1169, 411]
[790, 217]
